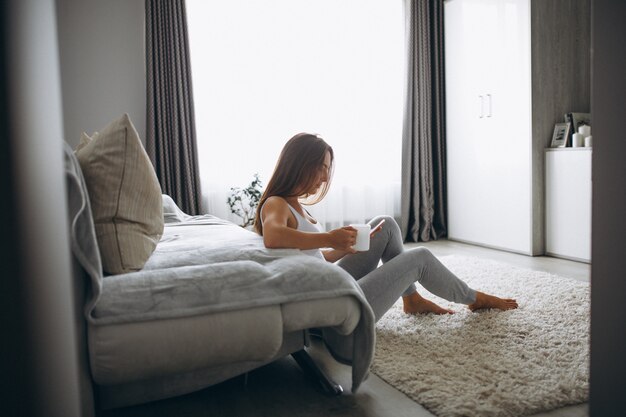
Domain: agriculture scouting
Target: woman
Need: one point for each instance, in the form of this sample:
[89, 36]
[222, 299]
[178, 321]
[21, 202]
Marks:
[302, 176]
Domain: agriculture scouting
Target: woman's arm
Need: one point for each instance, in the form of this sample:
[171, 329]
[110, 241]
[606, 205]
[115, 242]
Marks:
[333, 255]
[279, 230]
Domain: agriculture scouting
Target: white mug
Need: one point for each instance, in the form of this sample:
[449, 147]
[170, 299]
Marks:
[362, 237]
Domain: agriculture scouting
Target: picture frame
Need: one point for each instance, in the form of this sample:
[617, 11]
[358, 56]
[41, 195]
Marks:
[560, 135]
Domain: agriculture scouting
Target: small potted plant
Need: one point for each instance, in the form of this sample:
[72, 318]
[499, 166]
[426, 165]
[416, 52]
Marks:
[244, 201]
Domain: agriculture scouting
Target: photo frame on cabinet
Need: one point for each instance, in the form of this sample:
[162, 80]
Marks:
[560, 135]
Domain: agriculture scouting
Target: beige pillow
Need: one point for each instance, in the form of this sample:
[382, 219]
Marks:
[125, 196]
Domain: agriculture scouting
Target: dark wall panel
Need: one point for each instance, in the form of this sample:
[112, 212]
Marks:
[608, 270]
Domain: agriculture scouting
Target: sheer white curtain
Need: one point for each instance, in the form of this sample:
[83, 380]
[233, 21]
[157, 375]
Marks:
[266, 70]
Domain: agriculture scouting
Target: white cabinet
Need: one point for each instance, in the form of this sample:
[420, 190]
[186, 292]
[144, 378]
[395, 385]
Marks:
[488, 122]
[568, 203]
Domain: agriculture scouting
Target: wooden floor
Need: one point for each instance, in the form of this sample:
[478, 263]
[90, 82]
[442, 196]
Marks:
[280, 389]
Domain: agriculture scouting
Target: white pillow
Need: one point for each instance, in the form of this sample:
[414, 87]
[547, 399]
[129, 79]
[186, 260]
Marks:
[171, 212]
[125, 196]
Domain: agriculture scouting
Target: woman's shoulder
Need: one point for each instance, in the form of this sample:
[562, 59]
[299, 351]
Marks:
[278, 209]
[276, 204]
[276, 201]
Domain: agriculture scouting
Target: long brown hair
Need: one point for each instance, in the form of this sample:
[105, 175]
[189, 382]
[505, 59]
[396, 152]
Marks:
[295, 172]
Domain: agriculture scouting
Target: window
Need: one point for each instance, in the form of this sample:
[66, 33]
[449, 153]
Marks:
[266, 70]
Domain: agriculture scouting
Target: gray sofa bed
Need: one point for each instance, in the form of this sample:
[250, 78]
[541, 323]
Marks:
[211, 303]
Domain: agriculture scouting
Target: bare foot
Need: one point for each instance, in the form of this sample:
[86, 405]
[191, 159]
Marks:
[416, 304]
[484, 301]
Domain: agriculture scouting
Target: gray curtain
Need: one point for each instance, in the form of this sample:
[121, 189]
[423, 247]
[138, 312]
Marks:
[171, 132]
[423, 201]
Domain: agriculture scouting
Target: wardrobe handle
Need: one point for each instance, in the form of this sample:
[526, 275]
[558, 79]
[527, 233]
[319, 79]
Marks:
[482, 100]
[489, 98]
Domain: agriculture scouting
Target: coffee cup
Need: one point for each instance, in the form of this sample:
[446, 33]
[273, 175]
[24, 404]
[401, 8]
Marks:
[362, 237]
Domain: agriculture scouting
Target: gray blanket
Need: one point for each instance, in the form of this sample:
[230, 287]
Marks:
[204, 264]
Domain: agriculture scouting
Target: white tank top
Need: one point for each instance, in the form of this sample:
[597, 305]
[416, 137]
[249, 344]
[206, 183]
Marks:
[304, 225]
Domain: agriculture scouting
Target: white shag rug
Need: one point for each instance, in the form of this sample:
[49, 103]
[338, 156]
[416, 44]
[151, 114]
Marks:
[492, 363]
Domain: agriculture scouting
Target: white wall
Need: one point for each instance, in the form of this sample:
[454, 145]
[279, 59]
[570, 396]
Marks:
[102, 60]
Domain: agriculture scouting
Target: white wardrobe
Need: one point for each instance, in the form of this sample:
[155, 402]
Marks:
[502, 100]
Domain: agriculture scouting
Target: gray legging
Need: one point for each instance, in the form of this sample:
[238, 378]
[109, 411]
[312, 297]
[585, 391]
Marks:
[382, 286]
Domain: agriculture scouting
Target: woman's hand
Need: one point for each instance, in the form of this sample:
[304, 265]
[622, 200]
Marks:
[343, 239]
[377, 228]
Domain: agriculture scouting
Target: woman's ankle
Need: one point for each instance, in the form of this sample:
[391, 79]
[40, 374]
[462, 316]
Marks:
[412, 298]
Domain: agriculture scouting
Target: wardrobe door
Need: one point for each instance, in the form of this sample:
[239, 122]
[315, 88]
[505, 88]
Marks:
[465, 113]
[488, 122]
[507, 205]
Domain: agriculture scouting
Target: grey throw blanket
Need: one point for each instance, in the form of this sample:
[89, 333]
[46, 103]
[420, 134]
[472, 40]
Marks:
[204, 264]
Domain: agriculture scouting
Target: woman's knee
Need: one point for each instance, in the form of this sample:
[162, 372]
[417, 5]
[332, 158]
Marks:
[422, 254]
